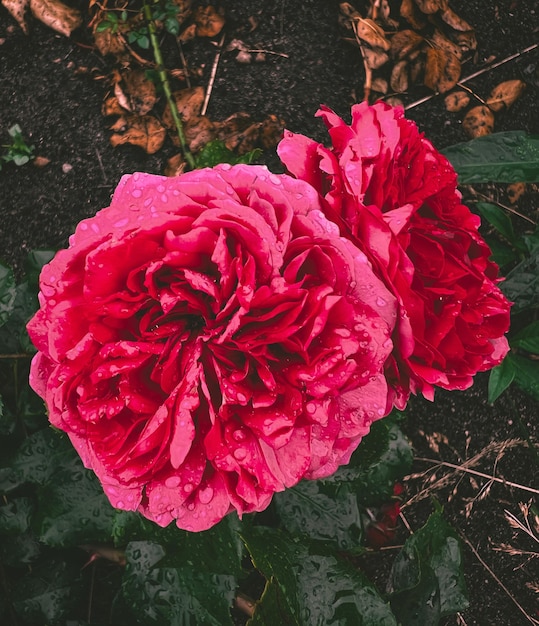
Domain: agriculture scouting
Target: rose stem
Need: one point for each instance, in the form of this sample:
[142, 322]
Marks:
[166, 85]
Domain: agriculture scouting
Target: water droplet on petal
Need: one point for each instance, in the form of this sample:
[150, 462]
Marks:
[205, 495]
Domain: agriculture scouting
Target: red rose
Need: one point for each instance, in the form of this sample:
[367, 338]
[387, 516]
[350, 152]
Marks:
[395, 197]
[209, 340]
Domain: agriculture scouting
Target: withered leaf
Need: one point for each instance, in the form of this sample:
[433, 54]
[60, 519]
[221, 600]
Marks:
[466, 40]
[442, 70]
[271, 131]
[431, 6]
[452, 19]
[515, 191]
[439, 40]
[412, 15]
[374, 57]
[188, 33]
[403, 42]
[17, 8]
[139, 90]
[108, 42]
[505, 94]
[111, 106]
[369, 31]
[198, 132]
[188, 102]
[184, 9]
[56, 15]
[457, 101]
[348, 14]
[399, 77]
[176, 165]
[380, 84]
[478, 121]
[144, 131]
[209, 22]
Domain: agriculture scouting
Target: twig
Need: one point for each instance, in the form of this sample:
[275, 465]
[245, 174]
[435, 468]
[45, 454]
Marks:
[101, 166]
[166, 85]
[466, 470]
[505, 589]
[474, 75]
[184, 62]
[212, 76]
[507, 208]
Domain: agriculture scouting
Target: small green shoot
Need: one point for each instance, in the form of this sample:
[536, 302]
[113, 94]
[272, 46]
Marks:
[18, 151]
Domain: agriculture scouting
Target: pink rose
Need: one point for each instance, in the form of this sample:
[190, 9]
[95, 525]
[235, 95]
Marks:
[209, 340]
[395, 197]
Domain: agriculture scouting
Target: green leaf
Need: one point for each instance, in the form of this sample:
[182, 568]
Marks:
[527, 338]
[521, 285]
[174, 595]
[311, 584]
[7, 293]
[34, 263]
[15, 516]
[427, 580]
[502, 252]
[500, 378]
[20, 550]
[49, 593]
[498, 218]
[508, 157]
[322, 511]
[73, 509]
[216, 152]
[526, 375]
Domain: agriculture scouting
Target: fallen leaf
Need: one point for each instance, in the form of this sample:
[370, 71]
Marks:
[369, 31]
[380, 84]
[209, 22]
[515, 191]
[40, 161]
[184, 9]
[478, 121]
[188, 33]
[17, 8]
[403, 42]
[111, 106]
[176, 165]
[108, 42]
[56, 15]
[394, 101]
[505, 94]
[375, 57]
[439, 40]
[431, 6]
[139, 90]
[412, 15]
[452, 19]
[442, 70]
[198, 132]
[457, 101]
[399, 77]
[348, 14]
[188, 102]
[271, 132]
[466, 40]
[144, 131]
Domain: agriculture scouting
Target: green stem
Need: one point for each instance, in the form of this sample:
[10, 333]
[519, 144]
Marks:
[166, 85]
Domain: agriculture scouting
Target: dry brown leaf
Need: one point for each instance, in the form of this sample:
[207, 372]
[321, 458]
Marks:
[198, 132]
[347, 15]
[144, 131]
[478, 121]
[108, 42]
[176, 165]
[184, 9]
[403, 42]
[431, 6]
[369, 31]
[380, 84]
[209, 21]
[457, 101]
[399, 77]
[412, 15]
[271, 131]
[416, 68]
[452, 19]
[188, 102]
[442, 70]
[466, 40]
[515, 191]
[17, 8]
[188, 33]
[56, 15]
[394, 101]
[111, 106]
[374, 57]
[139, 91]
[505, 94]
[439, 40]
[40, 161]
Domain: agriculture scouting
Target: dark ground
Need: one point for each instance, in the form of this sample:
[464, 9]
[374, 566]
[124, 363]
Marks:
[59, 112]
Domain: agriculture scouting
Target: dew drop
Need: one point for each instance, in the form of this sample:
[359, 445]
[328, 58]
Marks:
[188, 487]
[205, 495]
[240, 454]
[172, 482]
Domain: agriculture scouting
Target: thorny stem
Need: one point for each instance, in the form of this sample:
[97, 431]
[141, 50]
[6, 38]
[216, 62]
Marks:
[166, 85]
[466, 470]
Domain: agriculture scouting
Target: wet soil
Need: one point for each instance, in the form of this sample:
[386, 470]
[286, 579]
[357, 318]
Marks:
[50, 86]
